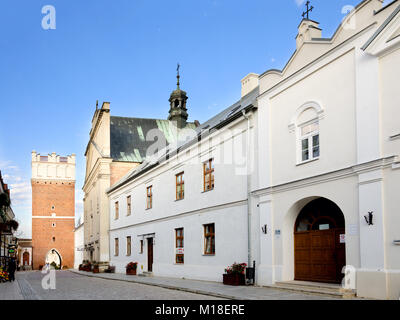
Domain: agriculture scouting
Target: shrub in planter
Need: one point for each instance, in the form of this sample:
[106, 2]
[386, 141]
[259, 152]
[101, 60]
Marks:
[131, 268]
[86, 266]
[234, 274]
[96, 268]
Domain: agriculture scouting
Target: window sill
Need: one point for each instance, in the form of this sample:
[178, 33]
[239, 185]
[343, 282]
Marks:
[208, 254]
[307, 161]
[148, 208]
[179, 199]
[207, 190]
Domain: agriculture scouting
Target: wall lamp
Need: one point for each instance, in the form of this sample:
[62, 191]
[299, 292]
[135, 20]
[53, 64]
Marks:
[369, 217]
[264, 229]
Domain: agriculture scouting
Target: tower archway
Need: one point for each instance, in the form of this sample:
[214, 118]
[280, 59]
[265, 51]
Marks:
[53, 256]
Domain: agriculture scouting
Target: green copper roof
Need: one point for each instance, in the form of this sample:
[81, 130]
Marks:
[128, 136]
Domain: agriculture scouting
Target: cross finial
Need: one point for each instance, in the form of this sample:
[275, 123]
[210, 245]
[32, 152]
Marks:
[308, 10]
[177, 74]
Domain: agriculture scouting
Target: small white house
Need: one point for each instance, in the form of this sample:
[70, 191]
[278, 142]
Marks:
[79, 243]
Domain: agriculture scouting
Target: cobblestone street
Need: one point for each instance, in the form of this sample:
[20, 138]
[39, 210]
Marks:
[73, 285]
[70, 286]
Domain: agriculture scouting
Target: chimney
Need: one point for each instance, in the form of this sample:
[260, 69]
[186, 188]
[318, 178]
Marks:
[308, 30]
[249, 83]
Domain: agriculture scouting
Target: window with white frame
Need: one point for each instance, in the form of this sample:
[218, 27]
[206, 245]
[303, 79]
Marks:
[305, 123]
[309, 141]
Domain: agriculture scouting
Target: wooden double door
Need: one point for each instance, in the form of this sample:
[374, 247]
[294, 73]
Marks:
[320, 255]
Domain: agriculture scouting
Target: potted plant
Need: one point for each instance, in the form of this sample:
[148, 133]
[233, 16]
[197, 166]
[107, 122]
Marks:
[96, 268]
[131, 268]
[234, 274]
[86, 266]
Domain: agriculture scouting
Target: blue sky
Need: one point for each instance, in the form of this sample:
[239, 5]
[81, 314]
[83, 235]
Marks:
[126, 52]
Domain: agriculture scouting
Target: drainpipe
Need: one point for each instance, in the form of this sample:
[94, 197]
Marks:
[248, 190]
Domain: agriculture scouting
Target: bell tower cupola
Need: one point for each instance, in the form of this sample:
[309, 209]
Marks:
[178, 112]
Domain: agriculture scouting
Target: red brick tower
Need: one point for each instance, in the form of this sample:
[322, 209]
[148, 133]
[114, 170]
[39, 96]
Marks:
[53, 209]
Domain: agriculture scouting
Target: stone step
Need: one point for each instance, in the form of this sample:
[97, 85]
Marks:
[145, 274]
[315, 288]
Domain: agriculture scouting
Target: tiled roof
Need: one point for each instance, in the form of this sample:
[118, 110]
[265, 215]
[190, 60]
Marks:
[128, 136]
[215, 123]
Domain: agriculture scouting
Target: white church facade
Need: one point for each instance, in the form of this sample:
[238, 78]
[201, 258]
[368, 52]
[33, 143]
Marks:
[301, 175]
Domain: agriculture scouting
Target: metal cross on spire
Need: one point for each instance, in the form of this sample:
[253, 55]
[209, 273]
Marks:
[308, 10]
[177, 74]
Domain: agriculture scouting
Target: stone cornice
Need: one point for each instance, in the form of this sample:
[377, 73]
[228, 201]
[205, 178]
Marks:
[94, 173]
[354, 170]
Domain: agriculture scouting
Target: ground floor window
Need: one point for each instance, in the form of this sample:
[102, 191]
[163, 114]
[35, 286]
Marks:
[128, 246]
[209, 238]
[179, 254]
[116, 246]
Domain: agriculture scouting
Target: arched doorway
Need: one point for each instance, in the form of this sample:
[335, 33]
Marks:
[319, 247]
[53, 256]
[25, 258]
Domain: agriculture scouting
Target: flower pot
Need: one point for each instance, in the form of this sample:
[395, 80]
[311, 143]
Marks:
[233, 279]
[131, 272]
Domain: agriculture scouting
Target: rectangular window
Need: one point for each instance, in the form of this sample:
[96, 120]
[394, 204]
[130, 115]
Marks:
[179, 255]
[116, 210]
[315, 146]
[44, 158]
[128, 206]
[309, 141]
[149, 200]
[128, 246]
[304, 150]
[180, 186]
[141, 246]
[209, 239]
[208, 175]
[63, 159]
[116, 246]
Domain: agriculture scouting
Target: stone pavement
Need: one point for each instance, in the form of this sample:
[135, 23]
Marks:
[10, 291]
[209, 288]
